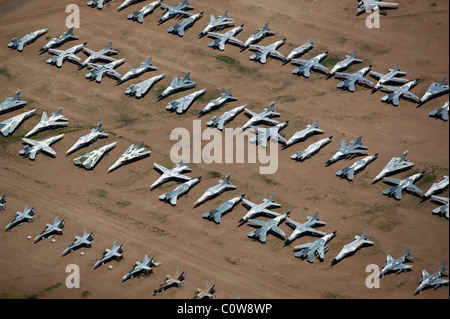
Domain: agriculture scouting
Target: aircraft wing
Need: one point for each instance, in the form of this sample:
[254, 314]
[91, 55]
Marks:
[88, 51]
[107, 58]
[256, 47]
[298, 62]
[390, 88]
[387, 4]
[414, 189]
[28, 141]
[259, 222]
[321, 251]
[320, 67]
[215, 35]
[400, 80]
[181, 176]
[54, 51]
[161, 168]
[392, 180]
[49, 150]
[181, 12]
[114, 73]
[411, 96]
[249, 203]
[342, 75]
[277, 54]
[277, 138]
[235, 41]
[366, 81]
[278, 231]
[376, 74]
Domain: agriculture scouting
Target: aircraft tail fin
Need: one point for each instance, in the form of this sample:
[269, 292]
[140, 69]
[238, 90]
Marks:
[444, 80]
[407, 255]
[17, 97]
[227, 178]
[99, 127]
[405, 154]
[140, 17]
[44, 116]
[59, 112]
[349, 172]
[442, 269]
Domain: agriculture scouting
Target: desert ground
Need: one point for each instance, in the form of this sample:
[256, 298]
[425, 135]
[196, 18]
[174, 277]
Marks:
[119, 206]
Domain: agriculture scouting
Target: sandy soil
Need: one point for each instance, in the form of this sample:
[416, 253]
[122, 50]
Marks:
[120, 206]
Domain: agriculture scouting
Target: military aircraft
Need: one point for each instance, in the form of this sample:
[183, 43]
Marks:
[66, 36]
[441, 112]
[85, 240]
[144, 267]
[374, 6]
[127, 3]
[397, 92]
[3, 202]
[352, 79]
[303, 228]
[352, 247]
[264, 116]
[391, 76]
[90, 159]
[114, 253]
[266, 226]
[434, 280]
[97, 71]
[443, 209]
[398, 265]
[311, 149]
[94, 135]
[303, 134]
[181, 27]
[299, 51]
[343, 64]
[225, 118]
[169, 281]
[9, 125]
[316, 248]
[95, 56]
[266, 134]
[133, 153]
[176, 85]
[214, 23]
[38, 146]
[224, 38]
[171, 12]
[140, 89]
[346, 151]
[12, 103]
[208, 293]
[436, 187]
[216, 103]
[19, 44]
[305, 66]
[171, 174]
[172, 196]
[147, 9]
[216, 214]
[97, 3]
[349, 172]
[254, 38]
[26, 216]
[435, 89]
[263, 51]
[182, 104]
[51, 229]
[215, 190]
[396, 164]
[401, 185]
[135, 72]
[55, 120]
[59, 56]
[259, 209]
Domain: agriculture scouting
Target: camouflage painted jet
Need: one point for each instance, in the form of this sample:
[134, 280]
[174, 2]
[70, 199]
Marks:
[147, 9]
[223, 38]
[59, 56]
[216, 214]
[437, 187]
[225, 118]
[8, 126]
[55, 120]
[391, 76]
[85, 240]
[51, 229]
[255, 38]
[444, 208]
[264, 116]
[397, 92]
[214, 23]
[352, 79]
[303, 228]
[135, 72]
[133, 153]
[182, 104]
[441, 113]
[90, 159]
[435, 89]
[266, 134]
[343, 64]
[401, 185]
[178, 84]
[299, 51]
[374, 6]
[169, 281]
[213, 191]
[207, 293]
[94, 135]
[396, 164]
[262, 52]
[26, 216]
[352, 247]
[66, 36]
[398, 265]
[316, 248]
[95, 56]
[259, 209]
[114, 253]
[188, 22]
[303, 134]
[172, 196]
[144, 267]
[311, 149]
[27, 39]
[140, 89]
[12, 103]
[434, 280]
[346, 151]
[266, 226]
[171, 174]
[349, 172]
[38, 146]
[172, 12]
[98, 71]
[305, 66]
[215, 104]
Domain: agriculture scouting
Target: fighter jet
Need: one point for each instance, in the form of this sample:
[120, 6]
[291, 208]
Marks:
[355, 78]
[95, 56]
[391, 76]
[398, 265]
[316, 248]
[171, 12]
[59, 56]
[435, 89]
[374, 6]
[397, 92]
[224, 38]
[114, 253]
[346, 151]
[266, 134]
[349, 172]
[171, 174]
[140, 89]
[303, 228]
[97, 3]
[177, 85]
[225, 118]
[135, 72]
[133, 153]
[99, 70]
[55, 120]
[169, 281]
[147, 9]
[259, 209]
[214, 23]
[127, 3]
[443, 209]
[19, 44]
[222, 186]
[343, 64]
[3, 202]
[172, 197]
[26, 216]
[299, 51]
[208, 293]
[312, 64]
[144, 267]
[216, 214]
[12, 103]
[85, 240]
[188, 22]
[263, 51]
[264, 116]
[50, 229]
[352, 247]
[436, 187]
[94, 135]
[66, 36]
[311, 149]
[38, 146]
[303, 134]
[266, 226]
[215, 104]
[255, 38]
[182, 104]
[401, 185]
[434, 280]
[441, 112]
[8, 126]
[396, 164]
[89, 160]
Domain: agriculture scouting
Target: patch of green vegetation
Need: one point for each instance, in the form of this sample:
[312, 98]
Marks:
[99, 193]
[333, 295]
[214, 174]
[85, 294]
[286, 98]
[4, 71]
[123, 203]
[235, 64]
[331, 60]
[268, 180]
[230, 261]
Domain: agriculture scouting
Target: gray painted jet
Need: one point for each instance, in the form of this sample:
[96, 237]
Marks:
[225, 118]
[214, 23]
[12, 103]
[85, 240]
[171, 12]
[260, 209]
[38, 146]
[264, 116]
[398, 265]
[142, 267]
[352, 247]
[401, 185]
[132, 153]
[304, 228]
[374, 6]
[224, 38]
[316, 248]
[443, 209]
[26, 216]
[396, 164]
[95, 56]
[178, 84]
[90, 159]
[346, 151]
[435, 89]
[311, 149]
[216, 214]
[355, 78]
[343, 64]
[135, 72]
[147, 9]
[215, 190]
[8, 126]
[19, 44]
[172, 196]
[97, 3]
[263, 51]
[94, 135]
[182, 104]
[266, 134]
[215, 104]
[305, 66]
[441, 113]
[266, 226]
[97, 71]
[436, 187]
[3, 202]
[181, 27]
[255, 38]
[140, 89]
[303, 134]
[349, 172]
[434, 280]
[391, 76]
[114, 253]
[51, 229]
[171, 174]
[299, 51]
[397, 92]
[127, 3]
[59, 56]
[55, 120]
[66, 36]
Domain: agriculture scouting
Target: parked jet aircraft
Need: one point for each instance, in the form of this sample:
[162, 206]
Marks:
[343, 64]
[259, 209]
[441, 112]
[171, 12]
[182, 104]
[263, 51]
[349, 172]
[444, 208]
[94, 135]
[303, 134]
[55, 120]
[103, 54]
[171, 174]
[224, 38]
[434, 280]
[169, 281]
[114, 253]
[266, 226]
[38, 146]
[215, 190]
[99, 70]
[216, 103]
[59, 56]
[56, 227]
[397, 92]
[374, 6]
[26, 216]
[178, 84]
[435, 89]
[226, 117]
[207, 293]
[27, 39]
[144, 267]
[97, 3]
[391, 76]
[299, 51]
[303, 228]
[127, 3]
[133, 153]
[436, 187]
[181, 27]
[172, 196]
[352, 79]
[216, 214]
[264, 135]
[140, 89]
[135, 72]
[9, 125]
[311, 149]
[85, 240]
[147, 9]
[396, 164]
[401, 185]
[312, 64]
[346, 151]
[66, 36]
[398, 265]
[264, 116]
[214, 23]
[258, 36]
[316, 248]
[12, 103]
[89, 160]
[3, 202]
[352, 247]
